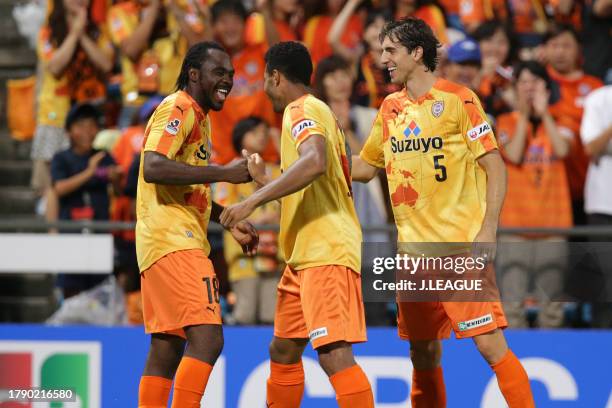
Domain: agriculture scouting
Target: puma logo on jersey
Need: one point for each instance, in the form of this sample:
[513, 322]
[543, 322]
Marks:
[415, 144]
[479, 131]
[301, 126]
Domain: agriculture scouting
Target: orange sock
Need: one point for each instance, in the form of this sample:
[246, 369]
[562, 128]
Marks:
[190, 383]
[428, 389]
[352, 387]
[153, 392]
[513, 382]
[285, 385]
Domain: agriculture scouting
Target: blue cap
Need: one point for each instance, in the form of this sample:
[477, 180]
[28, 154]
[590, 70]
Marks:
[466, 50]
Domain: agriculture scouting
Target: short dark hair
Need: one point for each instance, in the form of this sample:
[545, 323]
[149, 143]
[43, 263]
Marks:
[558, 29]
[535, 68]
[412, 33]
[487, 29]
[228, 7]
[326, 66]
[242, 128]
[291, 59]
[194, 59]
[81, 112]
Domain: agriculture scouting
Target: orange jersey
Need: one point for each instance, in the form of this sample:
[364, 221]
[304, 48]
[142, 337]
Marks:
[127, 146]
[255, 30]
[247, 98]
[538, 193]
[174, 217]
[318, 224]
[570, 107]
[316, 31]
[429, 148]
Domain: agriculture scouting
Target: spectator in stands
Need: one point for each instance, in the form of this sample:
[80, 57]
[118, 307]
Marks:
[463, 63]
[533, 147]
[373, 82]
[596, 39]
[428, 11]
[562, 53]
[317, 29]
[497, 56]
[596, 133]
[74, 57]
[253, 279]
[153, 37]
[274, 21]
[81, 178]
[247, 97]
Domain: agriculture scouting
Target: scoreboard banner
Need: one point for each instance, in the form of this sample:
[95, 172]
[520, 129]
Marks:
[102, 366]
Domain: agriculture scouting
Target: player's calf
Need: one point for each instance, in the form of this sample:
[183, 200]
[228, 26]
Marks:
[428, 389]
[163, 359]
[285, 387]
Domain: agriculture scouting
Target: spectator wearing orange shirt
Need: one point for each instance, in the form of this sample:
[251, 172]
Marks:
[373, 82]
[497, 48]
[75, 56]
[562, 52]
[247, 97]
[153, 36]
[274, 21]
[533, 146]
[316, 31]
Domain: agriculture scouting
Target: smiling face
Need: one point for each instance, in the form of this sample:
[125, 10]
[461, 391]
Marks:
[229, 30]
[215, 79]
[398, 61]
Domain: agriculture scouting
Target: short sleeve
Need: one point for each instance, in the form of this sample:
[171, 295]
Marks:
[474, 125]
[373, 151]
[59, 168]
[169, 127]
[306, 120]
[595, 117]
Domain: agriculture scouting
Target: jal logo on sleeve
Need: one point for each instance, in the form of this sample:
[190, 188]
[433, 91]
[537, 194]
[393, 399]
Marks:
[479, 131]
[301, 126]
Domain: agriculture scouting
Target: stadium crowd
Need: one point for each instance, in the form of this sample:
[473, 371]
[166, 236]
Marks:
[538, 66]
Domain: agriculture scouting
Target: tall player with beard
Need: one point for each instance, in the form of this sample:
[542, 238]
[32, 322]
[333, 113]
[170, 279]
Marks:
[447, 183]
[319, 295]
[180, 292]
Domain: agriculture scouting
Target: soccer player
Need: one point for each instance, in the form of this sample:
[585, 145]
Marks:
[180, 292]
[450, 191]
[319, 295]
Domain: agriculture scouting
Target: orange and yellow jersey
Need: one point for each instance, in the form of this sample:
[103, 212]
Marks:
[171, 217]
[318, 225]
[429, 148]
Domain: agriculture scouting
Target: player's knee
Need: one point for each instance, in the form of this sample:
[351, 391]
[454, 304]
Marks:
[205, 342]
[492, 346]
[335, 357]
[426, 354]
[286, 351]
[164, 355]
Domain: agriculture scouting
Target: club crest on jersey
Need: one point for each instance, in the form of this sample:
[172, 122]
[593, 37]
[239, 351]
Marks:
[300, 126]
[479, 131]
[412, 129]
[437, 108]
[173, 126]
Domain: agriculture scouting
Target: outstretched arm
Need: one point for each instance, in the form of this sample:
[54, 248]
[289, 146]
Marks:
[159, 169]
[311, 164]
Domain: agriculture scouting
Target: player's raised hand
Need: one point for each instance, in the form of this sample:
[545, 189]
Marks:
[256, 166]
[233, 214]
[246, 235]
[237, 171]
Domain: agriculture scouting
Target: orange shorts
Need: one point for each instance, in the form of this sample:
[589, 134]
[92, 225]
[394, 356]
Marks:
[179, 290]
[322, 303]
[434, 320]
